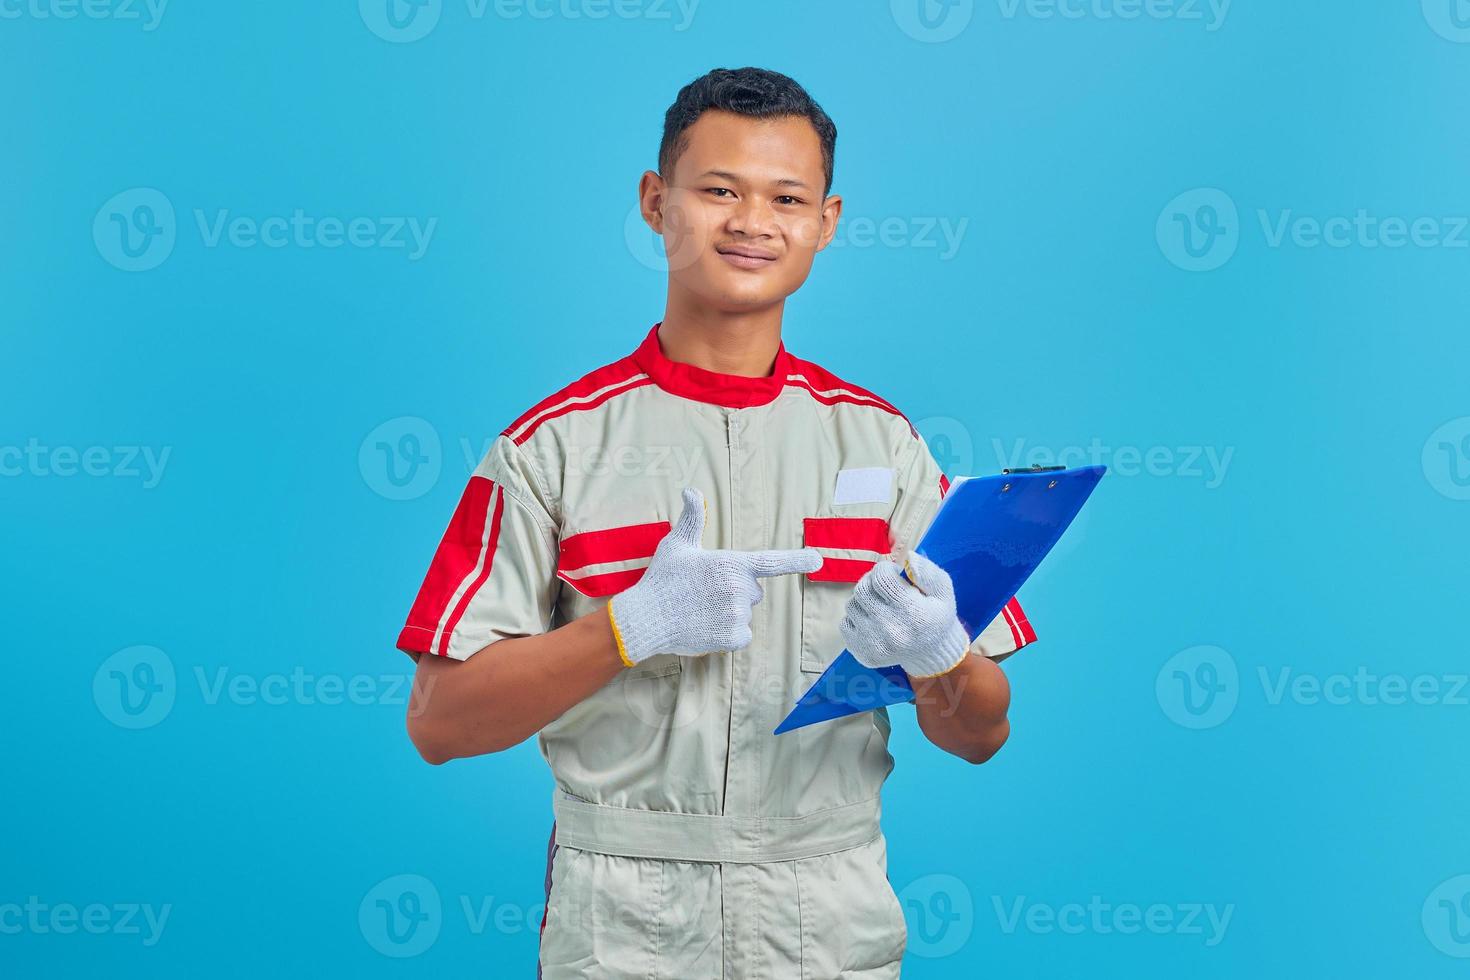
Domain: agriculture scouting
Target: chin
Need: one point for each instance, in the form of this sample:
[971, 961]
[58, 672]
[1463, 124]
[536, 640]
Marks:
[744, 291]
[738, 299]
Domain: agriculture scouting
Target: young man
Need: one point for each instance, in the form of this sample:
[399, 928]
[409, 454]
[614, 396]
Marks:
[652, 564]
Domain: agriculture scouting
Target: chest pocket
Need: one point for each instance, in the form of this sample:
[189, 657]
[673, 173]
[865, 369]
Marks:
[595, 565]
[849, 546]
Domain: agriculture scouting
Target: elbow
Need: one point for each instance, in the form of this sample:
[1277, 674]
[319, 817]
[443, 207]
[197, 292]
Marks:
[445, 722]
[438, 740]
[437, 743]
[434, 756]
[432, 747]
[983, 749]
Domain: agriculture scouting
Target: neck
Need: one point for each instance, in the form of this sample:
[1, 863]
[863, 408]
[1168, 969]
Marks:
[739, 343]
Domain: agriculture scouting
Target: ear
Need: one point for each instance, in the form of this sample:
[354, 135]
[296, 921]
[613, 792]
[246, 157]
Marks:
[831, 211]
[651, 193]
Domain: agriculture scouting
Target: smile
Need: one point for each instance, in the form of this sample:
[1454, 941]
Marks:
[742, 261]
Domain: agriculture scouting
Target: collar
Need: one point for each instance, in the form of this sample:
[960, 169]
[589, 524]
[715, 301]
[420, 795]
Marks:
[728, 390]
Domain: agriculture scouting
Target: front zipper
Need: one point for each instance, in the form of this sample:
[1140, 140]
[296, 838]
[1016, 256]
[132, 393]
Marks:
[732, 443]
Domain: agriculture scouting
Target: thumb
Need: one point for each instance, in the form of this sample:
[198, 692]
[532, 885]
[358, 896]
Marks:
[928, 576]
[766, 563]
[689, 529]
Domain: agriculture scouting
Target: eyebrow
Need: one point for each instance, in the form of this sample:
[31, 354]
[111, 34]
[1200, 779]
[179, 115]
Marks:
[780, 182]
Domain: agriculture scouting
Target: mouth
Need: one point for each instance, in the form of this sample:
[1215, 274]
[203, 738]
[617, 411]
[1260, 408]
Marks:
[746, 257]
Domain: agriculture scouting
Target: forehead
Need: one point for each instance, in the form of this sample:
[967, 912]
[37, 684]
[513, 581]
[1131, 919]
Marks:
[756, 149]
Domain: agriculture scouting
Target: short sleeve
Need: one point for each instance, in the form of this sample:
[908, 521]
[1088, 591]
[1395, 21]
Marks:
[493, 576]
[921, 487]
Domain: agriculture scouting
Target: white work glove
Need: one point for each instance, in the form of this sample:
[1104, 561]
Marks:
[692, 601]
[890, 623]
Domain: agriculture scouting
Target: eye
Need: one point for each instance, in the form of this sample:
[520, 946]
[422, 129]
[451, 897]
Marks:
[717, 191]
[788, 199]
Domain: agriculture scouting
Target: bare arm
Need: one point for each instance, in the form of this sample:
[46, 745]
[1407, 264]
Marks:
[964, 711]
[509, 690]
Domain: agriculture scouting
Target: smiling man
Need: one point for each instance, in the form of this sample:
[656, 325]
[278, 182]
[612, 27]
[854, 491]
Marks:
[653, 631]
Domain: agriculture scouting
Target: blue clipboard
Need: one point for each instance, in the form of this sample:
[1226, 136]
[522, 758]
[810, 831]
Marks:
[989, 534]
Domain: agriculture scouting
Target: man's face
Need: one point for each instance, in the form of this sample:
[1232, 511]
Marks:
[742, 215]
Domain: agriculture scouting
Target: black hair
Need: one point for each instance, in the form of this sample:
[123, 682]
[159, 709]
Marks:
[753, 92]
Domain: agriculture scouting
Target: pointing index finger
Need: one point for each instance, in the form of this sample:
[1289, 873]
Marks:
[784, 562]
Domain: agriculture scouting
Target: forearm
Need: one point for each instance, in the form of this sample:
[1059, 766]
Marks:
[689, 601]
[964, 711]
[510, 690]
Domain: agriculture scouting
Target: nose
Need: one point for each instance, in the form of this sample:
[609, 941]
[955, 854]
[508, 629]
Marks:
[752, 217]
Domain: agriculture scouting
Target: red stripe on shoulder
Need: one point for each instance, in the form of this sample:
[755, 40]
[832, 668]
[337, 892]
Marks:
[492, 540]
[824, 380]
[822, 385]
[455, 559]
[619, 376]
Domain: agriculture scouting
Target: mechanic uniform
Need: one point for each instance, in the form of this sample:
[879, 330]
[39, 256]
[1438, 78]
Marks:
[689, 842]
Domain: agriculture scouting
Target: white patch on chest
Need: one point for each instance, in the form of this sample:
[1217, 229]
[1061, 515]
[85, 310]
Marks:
[864, 485]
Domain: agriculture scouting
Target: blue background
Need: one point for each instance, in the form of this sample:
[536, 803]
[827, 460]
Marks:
[1334, 377]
